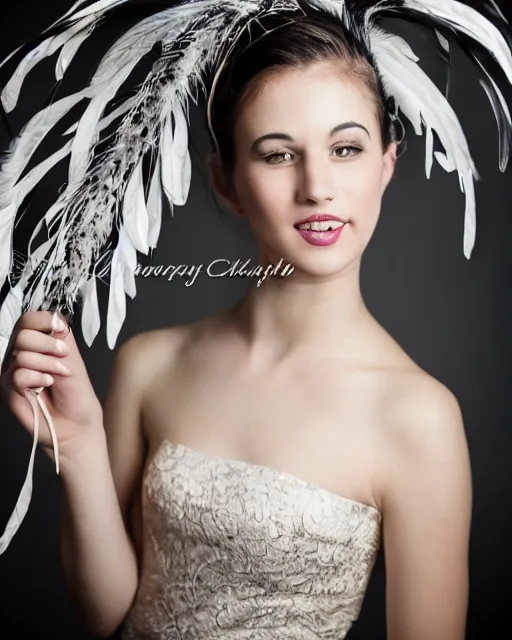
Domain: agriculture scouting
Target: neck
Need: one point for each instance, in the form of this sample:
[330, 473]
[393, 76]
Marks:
[299, 314]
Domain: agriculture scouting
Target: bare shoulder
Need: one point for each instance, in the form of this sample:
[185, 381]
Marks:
[147, 355]
[424, 414]
[144, 353]
[419, 413]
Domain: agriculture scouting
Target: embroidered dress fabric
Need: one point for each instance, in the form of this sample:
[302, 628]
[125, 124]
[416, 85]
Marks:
[233, 550]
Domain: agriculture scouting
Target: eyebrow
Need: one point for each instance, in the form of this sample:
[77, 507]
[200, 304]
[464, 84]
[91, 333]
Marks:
[332, 132]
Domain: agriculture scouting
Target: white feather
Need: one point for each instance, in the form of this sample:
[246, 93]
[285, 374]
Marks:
[49, 253]
[335, 7]
[502, 100]
[504, 106]
[135, 214]
[114, 68]
[444, 162]
[128, 257]
[7, 217]
[35, 259]
[429, 151]
[469, 216]
[78, 23]
[180, 138]
[19, 157]
[120, 60]
[130, 285]
[91, 319]
[16, 196]
[11, 91]
[469, 21]
[400, 50]
[15, 165]
[11, 55]
[23, 501]
[97, 8]
[176, 169]
[154, 206]
[498, 10]
[70, 11]
[89, 16]
[444, 42]
[47, 220]
[187, 177]
[30, 138]
[4, 343]
[116, 300]
[418, 97]
[85, 138]
[10, 313]
[107, 120]
[127, 250]
[69, 51]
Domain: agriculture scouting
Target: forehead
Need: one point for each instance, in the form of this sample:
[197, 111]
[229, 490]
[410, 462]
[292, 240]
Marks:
[313, 98]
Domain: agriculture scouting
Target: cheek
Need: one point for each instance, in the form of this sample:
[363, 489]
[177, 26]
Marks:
[263, 193]
[362, 185]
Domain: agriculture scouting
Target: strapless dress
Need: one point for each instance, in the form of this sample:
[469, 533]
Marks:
[238, 551]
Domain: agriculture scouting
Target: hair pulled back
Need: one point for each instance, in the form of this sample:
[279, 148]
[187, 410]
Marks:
[289, 43]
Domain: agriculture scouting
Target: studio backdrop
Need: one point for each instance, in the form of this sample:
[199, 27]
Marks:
[451, 315]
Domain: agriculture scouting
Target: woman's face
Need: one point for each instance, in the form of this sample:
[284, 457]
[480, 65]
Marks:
[308, 143]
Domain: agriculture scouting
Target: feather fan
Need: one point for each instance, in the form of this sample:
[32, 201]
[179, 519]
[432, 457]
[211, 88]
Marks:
[109, 209]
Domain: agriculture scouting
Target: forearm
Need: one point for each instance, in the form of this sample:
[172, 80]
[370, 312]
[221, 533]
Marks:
[98, 557]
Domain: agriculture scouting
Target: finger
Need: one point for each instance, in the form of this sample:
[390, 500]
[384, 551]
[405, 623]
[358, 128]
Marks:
[23, 379]
[46, 321]
[40, 362]
[30, 340]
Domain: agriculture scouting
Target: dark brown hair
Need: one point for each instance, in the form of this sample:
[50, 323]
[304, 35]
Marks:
[290, 43]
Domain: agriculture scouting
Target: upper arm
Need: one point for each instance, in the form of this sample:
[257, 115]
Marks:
[427, 514]
[122, 420]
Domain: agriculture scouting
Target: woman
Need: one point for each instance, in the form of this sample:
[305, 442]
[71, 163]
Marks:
[246, 468]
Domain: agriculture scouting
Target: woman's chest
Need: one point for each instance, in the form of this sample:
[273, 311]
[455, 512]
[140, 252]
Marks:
[318, 429]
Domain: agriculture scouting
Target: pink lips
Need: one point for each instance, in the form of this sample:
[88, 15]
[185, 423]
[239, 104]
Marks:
[321, 238]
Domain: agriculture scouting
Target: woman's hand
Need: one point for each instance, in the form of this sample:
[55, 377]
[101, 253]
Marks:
[38, 359]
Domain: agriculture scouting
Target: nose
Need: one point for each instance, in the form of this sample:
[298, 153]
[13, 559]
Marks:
[315, 183]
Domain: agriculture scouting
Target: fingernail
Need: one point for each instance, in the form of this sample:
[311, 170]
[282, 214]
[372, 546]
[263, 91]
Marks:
[58, 324]
[60, 368]
[48, 379]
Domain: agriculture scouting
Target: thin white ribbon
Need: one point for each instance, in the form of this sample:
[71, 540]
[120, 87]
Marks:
[23, 502]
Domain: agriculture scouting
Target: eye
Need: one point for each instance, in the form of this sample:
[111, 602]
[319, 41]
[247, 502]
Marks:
[348, 151]
[273, 158]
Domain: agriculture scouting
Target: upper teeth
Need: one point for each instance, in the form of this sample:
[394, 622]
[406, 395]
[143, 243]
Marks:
[321, 226]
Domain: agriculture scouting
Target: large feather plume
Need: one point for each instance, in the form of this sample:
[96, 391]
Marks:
[109, 209]
[87, 214]
[417, 96]
[106, 193]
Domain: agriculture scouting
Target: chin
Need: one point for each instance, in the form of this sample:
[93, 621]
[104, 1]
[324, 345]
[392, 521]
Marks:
[315, 261]
[322, 263]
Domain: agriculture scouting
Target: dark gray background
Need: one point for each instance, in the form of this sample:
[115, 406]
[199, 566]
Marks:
[451, 315]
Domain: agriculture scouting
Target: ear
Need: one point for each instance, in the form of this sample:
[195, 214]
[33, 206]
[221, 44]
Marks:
[389, 159]
[225, 192]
